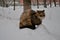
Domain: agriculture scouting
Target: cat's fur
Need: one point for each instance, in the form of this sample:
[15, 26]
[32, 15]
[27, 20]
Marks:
[30, 18]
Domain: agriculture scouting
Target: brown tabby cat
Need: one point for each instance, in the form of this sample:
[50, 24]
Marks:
[30, 18]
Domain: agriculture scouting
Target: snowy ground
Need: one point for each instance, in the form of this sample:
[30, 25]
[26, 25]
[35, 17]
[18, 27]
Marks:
[9, 30]
[9, 25]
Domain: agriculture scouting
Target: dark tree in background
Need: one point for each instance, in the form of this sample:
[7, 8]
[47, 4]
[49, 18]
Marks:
[37, 4]
[45, 4]
[54, 2]
[50, 3]
[14, 4]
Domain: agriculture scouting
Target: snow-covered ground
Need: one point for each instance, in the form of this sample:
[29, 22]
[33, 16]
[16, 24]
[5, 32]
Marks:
[9, 25]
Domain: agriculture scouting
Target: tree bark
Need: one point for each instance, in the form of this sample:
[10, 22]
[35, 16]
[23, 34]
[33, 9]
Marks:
[45, 5]
[37, 4]
[50, 3]
[27, 4]
[14, 4]
[54, 2]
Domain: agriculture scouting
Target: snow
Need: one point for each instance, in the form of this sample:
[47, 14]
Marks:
[48, 30]
[9, 30]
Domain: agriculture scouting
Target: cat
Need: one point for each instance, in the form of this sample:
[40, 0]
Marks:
[30, 18]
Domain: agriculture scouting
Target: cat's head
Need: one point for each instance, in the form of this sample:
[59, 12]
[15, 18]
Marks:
[40, 14]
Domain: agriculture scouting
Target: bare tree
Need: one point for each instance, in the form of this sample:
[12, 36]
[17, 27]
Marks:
[14, 4]
[37, 3]
[54, 2]
[45, 5]
[50, 3]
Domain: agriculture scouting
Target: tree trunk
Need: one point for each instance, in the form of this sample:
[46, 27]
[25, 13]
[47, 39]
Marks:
[14, 4]
[37, 4]
[45, 5]
[27, 4]
[54, 2]
[50, 3]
